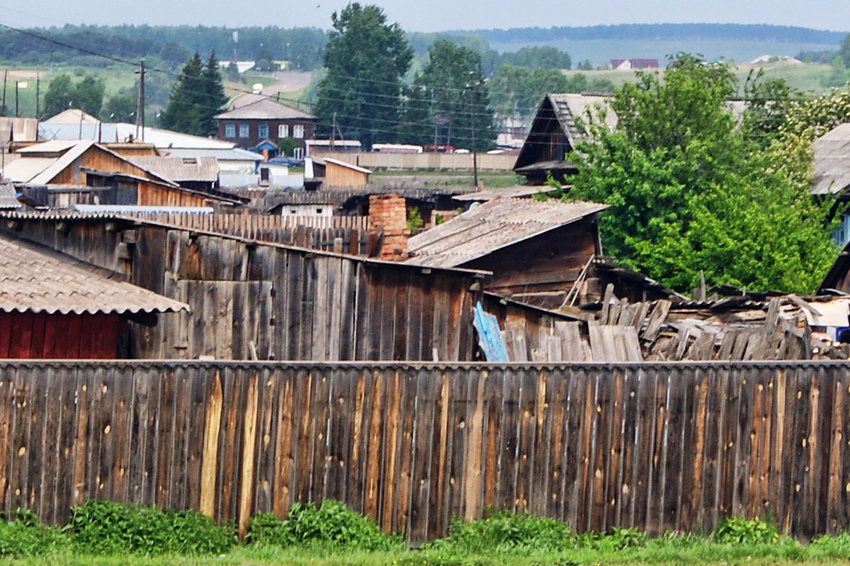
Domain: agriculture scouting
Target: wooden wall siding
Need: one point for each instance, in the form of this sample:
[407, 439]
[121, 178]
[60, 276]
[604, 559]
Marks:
[57, 336]
[657, 447]
[339, 176]
[293, 304]
[152, 194]
[320, 233]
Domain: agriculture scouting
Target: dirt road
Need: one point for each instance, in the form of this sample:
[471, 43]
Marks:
[289, 81]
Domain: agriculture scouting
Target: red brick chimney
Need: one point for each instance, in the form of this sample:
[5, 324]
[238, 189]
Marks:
[388, 222]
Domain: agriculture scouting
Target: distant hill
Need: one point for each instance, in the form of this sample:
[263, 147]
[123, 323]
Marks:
[665, 32]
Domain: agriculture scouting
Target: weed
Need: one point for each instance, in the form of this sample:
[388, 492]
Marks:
[24, 535]
[745, 531]
[104, 527]
[333, 523]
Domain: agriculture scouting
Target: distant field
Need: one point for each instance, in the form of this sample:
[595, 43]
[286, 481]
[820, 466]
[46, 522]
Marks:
[602, 51]
[804, 77]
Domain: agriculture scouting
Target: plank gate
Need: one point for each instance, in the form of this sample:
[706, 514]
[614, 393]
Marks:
[654, 446]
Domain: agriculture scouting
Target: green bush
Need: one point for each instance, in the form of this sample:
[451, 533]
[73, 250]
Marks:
[504, 531]
[22, 534]
[104, 527]
[735, 530]
[331, 524]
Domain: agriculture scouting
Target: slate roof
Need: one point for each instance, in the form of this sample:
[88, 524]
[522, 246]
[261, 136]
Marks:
[832, 161]
[492, 226]
[8, 201]
[34, 279]
[265, 109]
[179, 169]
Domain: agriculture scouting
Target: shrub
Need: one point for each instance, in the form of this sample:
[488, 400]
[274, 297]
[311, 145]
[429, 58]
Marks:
[333, 523]
[24, 535]
[735, 530]
[104, 527]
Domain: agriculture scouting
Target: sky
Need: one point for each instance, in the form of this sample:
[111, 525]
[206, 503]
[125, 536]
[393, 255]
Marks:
[430, 15]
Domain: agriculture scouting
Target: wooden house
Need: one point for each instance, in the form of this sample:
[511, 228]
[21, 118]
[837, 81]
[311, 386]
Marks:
[84, 172]
[263, 119]
[538, 252]
[53, 306]
[831, 166]
[554, 133]
[334, 174]
[251, 299]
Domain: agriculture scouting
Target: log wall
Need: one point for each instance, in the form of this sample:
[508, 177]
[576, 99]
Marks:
[665, 446]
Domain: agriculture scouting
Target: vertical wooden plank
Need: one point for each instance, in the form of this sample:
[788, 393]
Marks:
[209, 463]
[285, 448]
[389, 471]
[374, 444]
[249, 447]
[426, 403]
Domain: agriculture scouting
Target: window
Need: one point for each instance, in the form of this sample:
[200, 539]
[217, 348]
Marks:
[298, 131]
[230, 130]
[263, 131]
[244, 130]
[298, 153]
[283, 131]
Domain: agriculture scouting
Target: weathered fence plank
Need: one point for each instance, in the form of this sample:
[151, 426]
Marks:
[668, 446]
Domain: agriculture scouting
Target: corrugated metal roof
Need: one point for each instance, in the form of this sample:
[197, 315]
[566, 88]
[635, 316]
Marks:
[491, 226]
[123, 132]
[265, 109]
[831, 162]
[52, 146]
[226, 154]
[7, 197]
[180, 168]
[37, 280]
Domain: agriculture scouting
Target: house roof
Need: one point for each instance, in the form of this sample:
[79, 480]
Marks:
[339, 163]
[34, 279]
[8, 201]
[492, 226]
[265, 109]
[72, 115]
[518, 191]
[233, 154]
[831, 162]
[179, 169]
[564, 108]
[123, 132]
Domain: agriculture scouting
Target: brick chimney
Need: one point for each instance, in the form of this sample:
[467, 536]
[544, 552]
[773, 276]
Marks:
[388, 222]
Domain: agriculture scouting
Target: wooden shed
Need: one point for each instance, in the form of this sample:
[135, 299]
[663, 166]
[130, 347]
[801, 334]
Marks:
[270, 301]
[56, 307]
[88, 173]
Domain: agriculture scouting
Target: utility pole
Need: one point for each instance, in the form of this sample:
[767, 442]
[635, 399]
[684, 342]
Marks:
[333, 132]
[140, 105]
[472, 84]
[5, 77]
[17, 113]
[37, 87]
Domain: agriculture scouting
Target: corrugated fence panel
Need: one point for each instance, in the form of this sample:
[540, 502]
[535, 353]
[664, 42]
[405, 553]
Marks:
[657, 447]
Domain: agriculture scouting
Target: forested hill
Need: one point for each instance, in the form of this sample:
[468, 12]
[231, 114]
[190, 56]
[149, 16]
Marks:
[665, 32]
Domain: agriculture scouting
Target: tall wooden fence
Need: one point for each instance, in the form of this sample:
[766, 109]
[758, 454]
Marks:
[653, 446]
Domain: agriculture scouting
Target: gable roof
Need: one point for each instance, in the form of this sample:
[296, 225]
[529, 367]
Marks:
[35, 279]
[178, 169]
[831, 162]
[560, 110]
[492, 226]
[265, 109]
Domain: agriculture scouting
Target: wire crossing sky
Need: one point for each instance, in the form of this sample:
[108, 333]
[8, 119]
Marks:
[431, 15]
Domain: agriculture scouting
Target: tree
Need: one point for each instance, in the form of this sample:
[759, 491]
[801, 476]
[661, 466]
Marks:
[689, 192]
[59, 95]
[365, 59]
[448, 99]
[844, 50]
[196, 97]
[121, 107]
[62, 94]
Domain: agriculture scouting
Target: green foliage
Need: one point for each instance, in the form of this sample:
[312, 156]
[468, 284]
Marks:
[546, 57]
[120, 107]
[331, 524]
[365, 59]
[838, 75]
[442, 106]
[504, 531]
[618, 539]
[414, 221]
[286, 146]
[196, 97]
[689, 191]
[62, 94]
[844, 50]
[22, 534]
[736, 530]
[104, 527]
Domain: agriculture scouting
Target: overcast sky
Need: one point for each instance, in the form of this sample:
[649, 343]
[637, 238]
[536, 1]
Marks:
[430, 15]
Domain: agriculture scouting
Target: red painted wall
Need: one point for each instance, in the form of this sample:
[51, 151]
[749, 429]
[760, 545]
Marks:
[60, 336]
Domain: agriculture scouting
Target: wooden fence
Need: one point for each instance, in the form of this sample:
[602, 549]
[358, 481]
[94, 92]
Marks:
[652, 446]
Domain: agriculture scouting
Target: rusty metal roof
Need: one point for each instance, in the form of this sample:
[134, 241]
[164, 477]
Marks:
[34, 279]
[491, 226]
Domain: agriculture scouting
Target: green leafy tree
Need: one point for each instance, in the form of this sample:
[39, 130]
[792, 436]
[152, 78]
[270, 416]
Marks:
[59, 96]
[365, 60]
[88, 95]
[844, 51]
[196, 97]
[120, 107]
[448, 99]
[689, 191]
